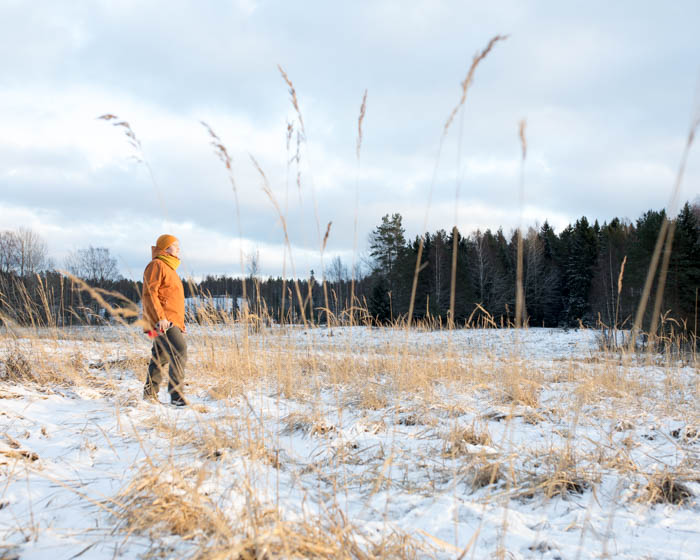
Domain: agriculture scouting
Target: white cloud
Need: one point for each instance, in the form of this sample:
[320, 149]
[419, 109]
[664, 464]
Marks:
[605, 89]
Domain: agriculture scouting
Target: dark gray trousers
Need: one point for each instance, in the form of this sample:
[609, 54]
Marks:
[169, 348]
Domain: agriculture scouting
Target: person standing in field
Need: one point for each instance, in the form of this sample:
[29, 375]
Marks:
[163, 301]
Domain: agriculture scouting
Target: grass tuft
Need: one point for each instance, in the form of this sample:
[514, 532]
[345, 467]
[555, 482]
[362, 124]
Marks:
[665, 488]
[164, 500]
[17, 367]
[460, 441]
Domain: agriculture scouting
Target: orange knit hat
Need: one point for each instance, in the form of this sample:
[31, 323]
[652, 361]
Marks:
[165, 241]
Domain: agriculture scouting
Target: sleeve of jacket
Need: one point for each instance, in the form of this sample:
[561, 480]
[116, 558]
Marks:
[152, 279]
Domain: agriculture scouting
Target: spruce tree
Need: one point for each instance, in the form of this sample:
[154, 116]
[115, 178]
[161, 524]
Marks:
[379, 303]
[582, 250]
[684, 273]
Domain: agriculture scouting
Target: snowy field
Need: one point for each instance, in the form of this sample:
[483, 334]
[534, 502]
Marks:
[348, 443]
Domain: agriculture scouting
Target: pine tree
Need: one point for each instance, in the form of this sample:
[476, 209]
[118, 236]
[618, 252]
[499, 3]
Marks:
[386, 245]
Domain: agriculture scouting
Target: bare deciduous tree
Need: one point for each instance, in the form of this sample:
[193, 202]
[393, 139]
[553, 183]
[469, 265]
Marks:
[9, 251]
[337, 271]
[253, 264]
[338, 276]
[94, 263]
[32, 252]
[22, 251]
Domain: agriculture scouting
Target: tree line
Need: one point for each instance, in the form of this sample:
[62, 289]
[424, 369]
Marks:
[588, 274]
[34, 292]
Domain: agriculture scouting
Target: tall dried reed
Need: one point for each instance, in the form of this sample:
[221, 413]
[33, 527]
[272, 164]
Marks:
[665, 241]
[139, 155]
[465, 87]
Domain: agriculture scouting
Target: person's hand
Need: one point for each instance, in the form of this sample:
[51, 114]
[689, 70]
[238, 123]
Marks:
[163, 325]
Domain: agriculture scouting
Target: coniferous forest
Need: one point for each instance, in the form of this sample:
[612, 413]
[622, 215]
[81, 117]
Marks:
[568, 278]
[589, 274]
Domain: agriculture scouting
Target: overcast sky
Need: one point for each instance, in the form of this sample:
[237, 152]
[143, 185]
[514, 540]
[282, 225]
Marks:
[607, 89]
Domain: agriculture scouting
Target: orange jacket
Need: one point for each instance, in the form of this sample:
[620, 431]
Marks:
[163, 296]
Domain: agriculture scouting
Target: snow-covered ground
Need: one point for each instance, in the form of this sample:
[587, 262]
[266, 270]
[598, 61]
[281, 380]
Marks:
[566, 468]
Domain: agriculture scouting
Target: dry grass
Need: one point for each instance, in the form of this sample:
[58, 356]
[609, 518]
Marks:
[307, 424]
[461, 441]
[34, 363]
[312, 539]
[386, 390]
[16, 367]
[171, 502]
[215, 440]
[518, 391]
[560, 475]
[666, 488]
[167, 499]
[11, 450]
[485, 473]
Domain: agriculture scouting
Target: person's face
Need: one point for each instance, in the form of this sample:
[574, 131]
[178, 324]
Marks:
[174, 250]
